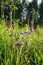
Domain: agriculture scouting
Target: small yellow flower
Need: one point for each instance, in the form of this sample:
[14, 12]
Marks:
[28, 61]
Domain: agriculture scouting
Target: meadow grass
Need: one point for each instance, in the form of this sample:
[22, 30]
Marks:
[21, 46]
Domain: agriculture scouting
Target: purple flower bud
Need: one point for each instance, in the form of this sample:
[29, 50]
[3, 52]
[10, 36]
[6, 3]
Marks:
[21, 55]
[31, 59]
[23, 38]
[30, 32]
[32, 29]
[19, 44]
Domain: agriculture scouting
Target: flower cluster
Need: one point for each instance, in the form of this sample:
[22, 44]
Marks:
[30, 31]
[22, 37]
[19, 44]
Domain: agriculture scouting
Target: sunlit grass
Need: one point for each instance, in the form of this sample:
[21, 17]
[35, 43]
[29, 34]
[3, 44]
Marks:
[20, 47]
